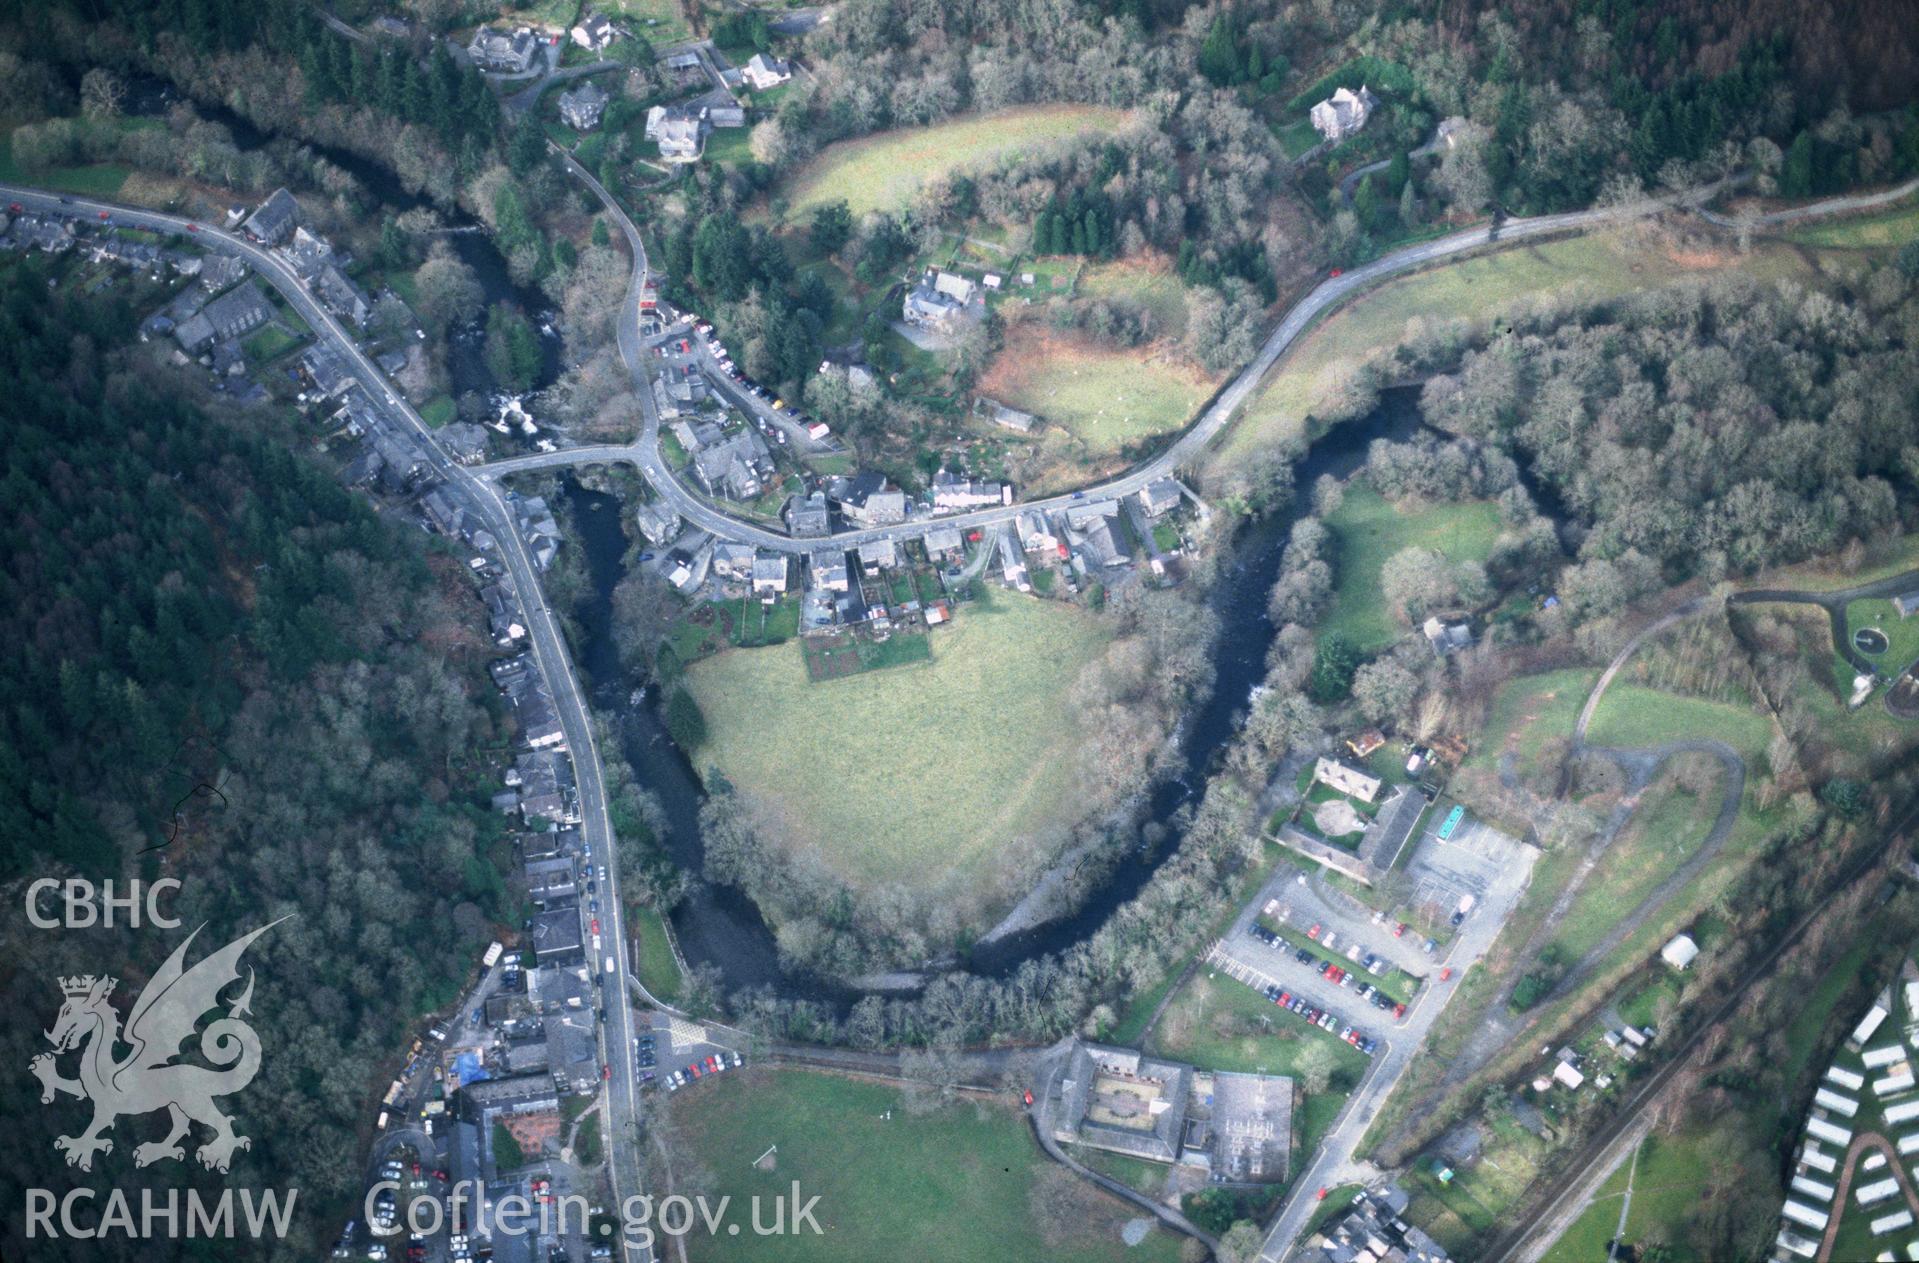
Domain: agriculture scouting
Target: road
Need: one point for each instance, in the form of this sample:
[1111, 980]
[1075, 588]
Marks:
[549, 647]
[644, 452]
[1335, 1161]
[1835, 603]
[550, 650]
[527, 97]
[1814, 210]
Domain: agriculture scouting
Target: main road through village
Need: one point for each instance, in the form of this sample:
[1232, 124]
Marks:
[481, 485]
[549, 647]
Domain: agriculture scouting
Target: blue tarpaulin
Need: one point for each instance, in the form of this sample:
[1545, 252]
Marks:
[467, 1066]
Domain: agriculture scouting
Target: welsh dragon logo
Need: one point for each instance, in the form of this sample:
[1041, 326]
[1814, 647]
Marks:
[147, 1079]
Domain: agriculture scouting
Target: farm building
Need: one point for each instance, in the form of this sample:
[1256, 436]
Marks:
[1680, 952]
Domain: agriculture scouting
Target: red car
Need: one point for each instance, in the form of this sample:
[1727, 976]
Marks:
[1314, 932]
[1445, 973]
[103, 215]
[1399, 1010]
[193, 228]
[1285, 999]
[15, 207]
[596, 925]
[606, 1072]
[1399, 931]
[1337, 271]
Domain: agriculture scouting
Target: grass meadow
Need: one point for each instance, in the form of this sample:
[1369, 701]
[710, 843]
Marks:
[1105, 397]
[956, 1184]
[921, 775]
[885, 171]
[1368, 529]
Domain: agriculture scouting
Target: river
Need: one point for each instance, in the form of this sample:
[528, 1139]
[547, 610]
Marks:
[719, 925]
[465, 352]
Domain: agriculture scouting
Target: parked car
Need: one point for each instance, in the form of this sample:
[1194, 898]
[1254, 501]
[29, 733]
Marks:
[1314, 932]
[1430, 946]
[1399, 930]
[1399, 1011]
[1303, 956]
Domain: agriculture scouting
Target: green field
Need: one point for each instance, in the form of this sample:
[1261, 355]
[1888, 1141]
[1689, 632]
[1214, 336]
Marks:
[1297, 137]
[438, 410]
[921, 775]
[1460, 1213]
[884, 172]
[268, 344]
[1219, 1024]
[1147, 285]
[1665, 1188]
[1633, 715]
[1313, 375]
[1890, 228]
[1665, 830]
[1529, 712]
[955, 1185]
[661, 21]
[659, 971]
[1368, 529]
[1106, 397]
